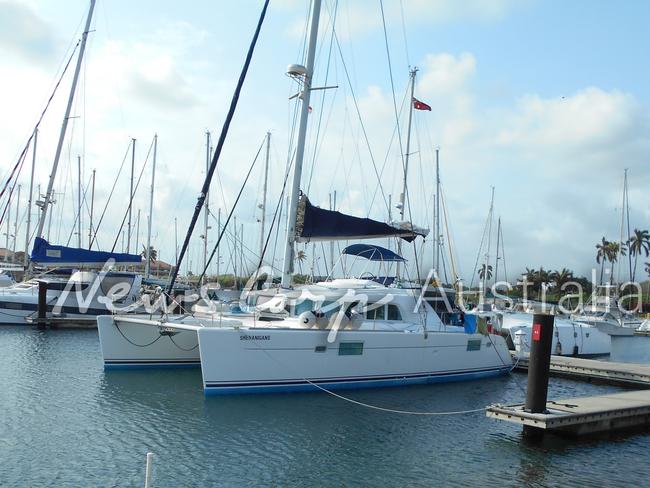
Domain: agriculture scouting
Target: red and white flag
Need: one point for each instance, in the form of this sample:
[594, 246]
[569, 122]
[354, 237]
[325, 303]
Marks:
[418, 105]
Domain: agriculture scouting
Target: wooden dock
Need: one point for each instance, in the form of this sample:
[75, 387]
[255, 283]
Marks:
[582, 415]
[621, 374]
[59, 322]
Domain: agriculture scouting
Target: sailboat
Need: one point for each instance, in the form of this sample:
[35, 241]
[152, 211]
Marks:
[346, 333]
[84, 294]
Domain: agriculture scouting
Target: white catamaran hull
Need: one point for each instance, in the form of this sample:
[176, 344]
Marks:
[257, 360]
[125, 343]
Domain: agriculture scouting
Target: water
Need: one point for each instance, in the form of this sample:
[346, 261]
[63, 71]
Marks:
[65, 422]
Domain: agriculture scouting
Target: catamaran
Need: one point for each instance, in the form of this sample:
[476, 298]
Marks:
[345, 333]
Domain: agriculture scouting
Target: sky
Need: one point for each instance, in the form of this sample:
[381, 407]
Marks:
[545, 101]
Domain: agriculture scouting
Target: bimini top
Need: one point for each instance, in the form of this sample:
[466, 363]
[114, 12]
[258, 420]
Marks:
[48, 254]
[373, 253]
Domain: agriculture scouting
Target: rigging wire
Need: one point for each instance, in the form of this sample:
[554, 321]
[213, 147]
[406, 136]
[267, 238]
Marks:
[135, 189]
[110, 195]
[363, 127]
[232, 210]
[23, 154]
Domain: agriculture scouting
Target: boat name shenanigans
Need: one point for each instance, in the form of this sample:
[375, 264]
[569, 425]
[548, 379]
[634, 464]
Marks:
[247, 337]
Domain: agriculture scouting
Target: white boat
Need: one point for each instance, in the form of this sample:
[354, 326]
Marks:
[377, 345]
[605, 313]
[349, 333]
[86, 294]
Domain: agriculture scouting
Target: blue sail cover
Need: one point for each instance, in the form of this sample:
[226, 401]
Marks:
[373, 253]
[317, 224]
[48, 254]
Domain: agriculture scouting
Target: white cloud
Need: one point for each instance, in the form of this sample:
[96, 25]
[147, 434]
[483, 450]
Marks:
[23, 33]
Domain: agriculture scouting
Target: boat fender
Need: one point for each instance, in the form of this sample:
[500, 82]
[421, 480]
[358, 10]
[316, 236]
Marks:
[575, 350]
[307, 319]
[558, 348]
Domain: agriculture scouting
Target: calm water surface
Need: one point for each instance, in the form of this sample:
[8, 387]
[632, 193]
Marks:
[65, 422]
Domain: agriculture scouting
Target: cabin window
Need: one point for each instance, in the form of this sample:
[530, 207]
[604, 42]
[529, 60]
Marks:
[350, 348]
[474, 345]
[304, 306]
[320, 349]
[394, 313]
[374, 312]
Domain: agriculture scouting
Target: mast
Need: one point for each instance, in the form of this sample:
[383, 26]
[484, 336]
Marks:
[437, 212]
[79, 200]
[264, 188]
[402, 198]
[234, 253]
[218, 233]
[300, 147]
[128, 227]
[489, 242]
[29, 201]
[206, 211]
[92, 208]
[48, 196]
[16, 222]
[496, 261]
[176, 240]
[147, 265]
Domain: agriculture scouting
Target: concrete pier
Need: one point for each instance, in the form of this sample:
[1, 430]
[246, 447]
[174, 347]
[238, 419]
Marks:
[583, 415]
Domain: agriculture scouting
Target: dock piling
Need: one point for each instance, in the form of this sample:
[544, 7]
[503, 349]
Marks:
[42, 304]
[538, 367]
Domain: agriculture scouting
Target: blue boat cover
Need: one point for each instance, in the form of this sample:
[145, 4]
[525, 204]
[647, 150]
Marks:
[317, 224]
[48, 254]
[372, 252]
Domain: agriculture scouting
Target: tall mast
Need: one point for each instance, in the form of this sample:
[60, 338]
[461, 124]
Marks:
[264, 188]
[436, 242]
[29, 201]
[79, 200]
[206, 210]
[489, 242]
[234, 253]
[496, 261]
[48, 196]
[13, 248]
[147, 265]
[128, 227]
[402, 198]
[92, 208]
[300, 147]
[218, 233]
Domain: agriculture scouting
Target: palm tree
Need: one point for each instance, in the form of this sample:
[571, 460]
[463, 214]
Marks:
[561, 277]
[301, 257]
[639, 243]
[153, 254]
[612, 251]
[601, 255]
[485, 272]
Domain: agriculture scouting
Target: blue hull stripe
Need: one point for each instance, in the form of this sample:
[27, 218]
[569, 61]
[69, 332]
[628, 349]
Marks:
[351, 383]
[151, 363]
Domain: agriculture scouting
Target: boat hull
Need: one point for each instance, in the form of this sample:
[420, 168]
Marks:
[131, 345]
[263, 360]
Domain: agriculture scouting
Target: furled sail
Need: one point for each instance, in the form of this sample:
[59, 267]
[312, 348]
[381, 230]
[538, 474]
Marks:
[48, 254]
[317, 224]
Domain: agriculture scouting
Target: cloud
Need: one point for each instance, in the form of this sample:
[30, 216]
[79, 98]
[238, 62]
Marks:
[362, 17]
[24, 34]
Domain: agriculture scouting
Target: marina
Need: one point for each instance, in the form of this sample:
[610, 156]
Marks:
[99, 431]
[316, 243]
